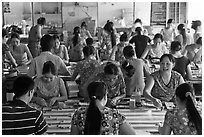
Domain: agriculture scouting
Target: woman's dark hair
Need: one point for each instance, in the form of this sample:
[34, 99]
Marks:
[175, 46]
[96, 90]
[128, 68]
[124, 37]
[83, 24]
[109, 28]
[4, 32]
[111, 69]
[194, 116]
[47, 42]
[76, 36]
[181, 28]
[15, 35]
[138, 20]
[128, 51]
[88, 50]
[169, 21]
[158, 36]
[22, 85]
[171, 57]
[199, 41]
[89, 41]
[138, 30]
[49, 67]
[41, 21]
[195, 24]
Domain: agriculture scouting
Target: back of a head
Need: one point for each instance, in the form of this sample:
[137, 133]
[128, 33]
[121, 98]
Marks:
[22, 85]
[15, 35]
[111, 69]
[195, 24]
[83, 24]
[185, 93]
[76, 30]
[4, 32]
[128, 51]
[108, 27]
[175, 46]
[138, 21]
[41, 21]
[89, 41]
[88, 50]
[138, 30]
[47, 42]
[124, 37]
[49, 67]
[96, 90]
[199, 41]
[181, 27]
[170, 21]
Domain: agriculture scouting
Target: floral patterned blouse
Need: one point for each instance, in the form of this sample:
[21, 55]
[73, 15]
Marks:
[86, 68]
[49, 90]
[179, 122]
[162, 91]
[110, 123]
[117, 88]
[106, 46]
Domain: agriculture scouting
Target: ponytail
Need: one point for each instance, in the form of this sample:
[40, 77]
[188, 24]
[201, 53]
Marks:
[113, 38]
[194, 115]
[93, 119]
[182, 30]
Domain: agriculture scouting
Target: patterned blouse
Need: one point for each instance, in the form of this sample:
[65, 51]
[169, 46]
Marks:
[60, 52]
[179, 122]
[162, 91]
[48, 90]
[86, 68]
[117, 88]
[110, 123]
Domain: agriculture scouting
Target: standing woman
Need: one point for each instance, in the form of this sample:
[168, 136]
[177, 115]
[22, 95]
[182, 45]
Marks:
[35, 36]
[84, 31]
[19, 51]
[96, 119]
[185, 118]
[183, 37]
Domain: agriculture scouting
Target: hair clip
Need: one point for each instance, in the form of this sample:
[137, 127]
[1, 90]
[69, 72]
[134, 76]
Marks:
[94, 97]
[188, 94]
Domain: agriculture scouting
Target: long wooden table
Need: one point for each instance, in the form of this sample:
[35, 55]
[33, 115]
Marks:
[144, 120]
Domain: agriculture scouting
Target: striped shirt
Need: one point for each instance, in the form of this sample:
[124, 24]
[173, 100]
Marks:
[20, 119]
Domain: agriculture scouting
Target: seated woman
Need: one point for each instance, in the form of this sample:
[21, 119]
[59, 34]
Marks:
[194, 51]
[157, 49]
[85, 68]
[60, 50]
[161, 85]
[19, 51]
[97, 119]
[182, 63]
[84, 31]
[185, 118]
[114, 80]
[49, 89]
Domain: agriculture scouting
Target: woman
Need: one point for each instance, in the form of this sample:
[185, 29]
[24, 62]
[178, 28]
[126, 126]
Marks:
[197, 26]
[84, 31]
[182, 63]
[60, 50]
[157, 49]
[185, 118]
[98, 119]
[77, 45]
[183, 37]
[85, 68]
[168, 32]
[114, 80]
[161, 85]
[35, 36]
[49, 88]
[19, 51]
[108, 40]
[117, 52]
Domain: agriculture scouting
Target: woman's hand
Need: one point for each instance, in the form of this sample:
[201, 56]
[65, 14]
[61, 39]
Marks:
[157, 103]
[114, 101]
[42, 102]
[52, 101]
